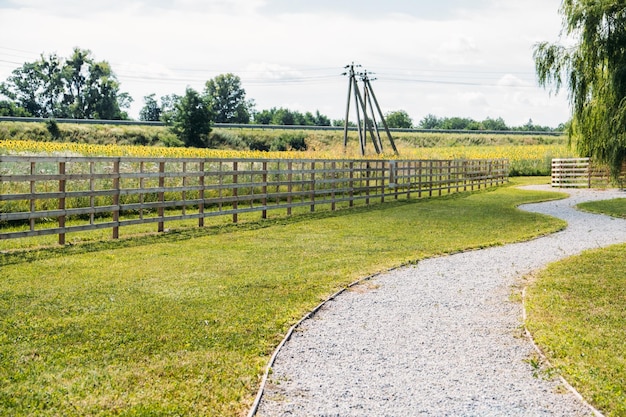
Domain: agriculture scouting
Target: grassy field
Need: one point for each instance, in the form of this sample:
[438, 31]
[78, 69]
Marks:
[577, 314]
[615, 208]
[184, 323]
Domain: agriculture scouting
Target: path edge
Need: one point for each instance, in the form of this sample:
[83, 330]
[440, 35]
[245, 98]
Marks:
[544, 358]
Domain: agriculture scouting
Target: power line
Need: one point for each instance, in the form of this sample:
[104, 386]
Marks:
[299, 75]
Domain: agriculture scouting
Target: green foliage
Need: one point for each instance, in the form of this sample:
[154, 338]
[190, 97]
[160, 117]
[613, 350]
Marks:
[494, 124]
[259, 144]
[297, 142]
[593, 71]
[289, 142]
[227, 99]
[94, 134]
[465, 123]
[399, 119]
[77, 87]
[150, 112]
[9, 108]
[53, 129]
[134, 328]
[282, 116]
[191, 120]
[227, 139]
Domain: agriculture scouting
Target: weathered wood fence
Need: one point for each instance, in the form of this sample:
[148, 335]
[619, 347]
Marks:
[581, 173]
[99, 193]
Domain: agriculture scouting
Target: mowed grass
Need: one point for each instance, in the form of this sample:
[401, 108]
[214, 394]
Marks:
[183, 324]
[615, 207]
[577, 314]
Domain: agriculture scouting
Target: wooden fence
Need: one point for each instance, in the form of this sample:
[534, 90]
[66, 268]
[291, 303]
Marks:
[43, 193]
[581, 173]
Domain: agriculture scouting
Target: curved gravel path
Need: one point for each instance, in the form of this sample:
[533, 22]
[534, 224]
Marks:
[442, 338]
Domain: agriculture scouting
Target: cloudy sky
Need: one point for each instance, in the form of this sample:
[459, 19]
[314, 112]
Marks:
[445, 57]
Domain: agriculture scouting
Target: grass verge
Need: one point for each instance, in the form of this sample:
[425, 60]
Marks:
[615, 207]
[183, 323]
[577, 314]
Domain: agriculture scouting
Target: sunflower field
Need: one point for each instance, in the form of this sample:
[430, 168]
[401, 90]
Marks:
[524, 159]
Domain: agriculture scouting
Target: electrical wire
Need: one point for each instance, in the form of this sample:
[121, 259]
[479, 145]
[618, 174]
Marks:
[314, 75]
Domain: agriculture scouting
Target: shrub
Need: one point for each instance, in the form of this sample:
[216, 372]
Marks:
[53, 128]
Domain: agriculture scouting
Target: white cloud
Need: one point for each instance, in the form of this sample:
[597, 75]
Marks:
[474, 98]
[450, 62]
[510, 80]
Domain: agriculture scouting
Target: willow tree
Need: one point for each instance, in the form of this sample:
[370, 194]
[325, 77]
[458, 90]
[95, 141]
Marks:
[592, 65]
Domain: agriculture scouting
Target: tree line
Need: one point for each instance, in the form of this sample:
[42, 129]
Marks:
[400, 119]
[80, 87]
[77, 87]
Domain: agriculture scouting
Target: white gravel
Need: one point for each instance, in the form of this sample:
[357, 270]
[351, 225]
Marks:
[442, 338]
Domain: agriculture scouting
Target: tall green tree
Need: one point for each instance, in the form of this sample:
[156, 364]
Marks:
[8, 108]
[151, 111]
[93, 91]
[594, 72]
[430, 121]
[494, 124]
[227, 99]
[282, 116]
[37, 87]
[191, 119]
[399, 119]
[77, 87]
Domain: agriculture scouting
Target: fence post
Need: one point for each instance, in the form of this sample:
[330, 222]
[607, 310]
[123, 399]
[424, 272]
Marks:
[367, 183]
[419, 179]
[264, 200]
[116, 199]
[440, 177]
[313, 187]
[430, 178]
[142, 182]
[455, 169]
[449, 163]
[92, 190]
[33, 201]
[289, 186]
[201, 194]
[333, 167]
[392, 178]
[235, 192]
[382, 176]
[62, 183]
[408, 179]
[161, 209]
[351, 204]
[184, 193]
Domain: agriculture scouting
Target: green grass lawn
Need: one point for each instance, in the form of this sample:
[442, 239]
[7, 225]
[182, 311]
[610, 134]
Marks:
[615, 208]
[577, 314]
[184, 323]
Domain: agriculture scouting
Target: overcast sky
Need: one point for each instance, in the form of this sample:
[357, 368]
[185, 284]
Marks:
[444, 57]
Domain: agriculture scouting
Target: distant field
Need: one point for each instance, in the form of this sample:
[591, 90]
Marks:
[528, 154]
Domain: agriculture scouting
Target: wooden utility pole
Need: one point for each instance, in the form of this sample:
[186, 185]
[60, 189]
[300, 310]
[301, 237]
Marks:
[361, 104]
[350, 83]
[368, 86]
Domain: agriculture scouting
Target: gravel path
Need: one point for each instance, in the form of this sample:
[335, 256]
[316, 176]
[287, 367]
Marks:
[442, 338]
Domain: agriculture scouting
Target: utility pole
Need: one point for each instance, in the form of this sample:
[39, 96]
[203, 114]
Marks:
[368, 86]
[361, 104]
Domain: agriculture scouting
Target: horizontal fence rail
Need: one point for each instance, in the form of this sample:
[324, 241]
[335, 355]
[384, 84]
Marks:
[109, 193]
[580, 173]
